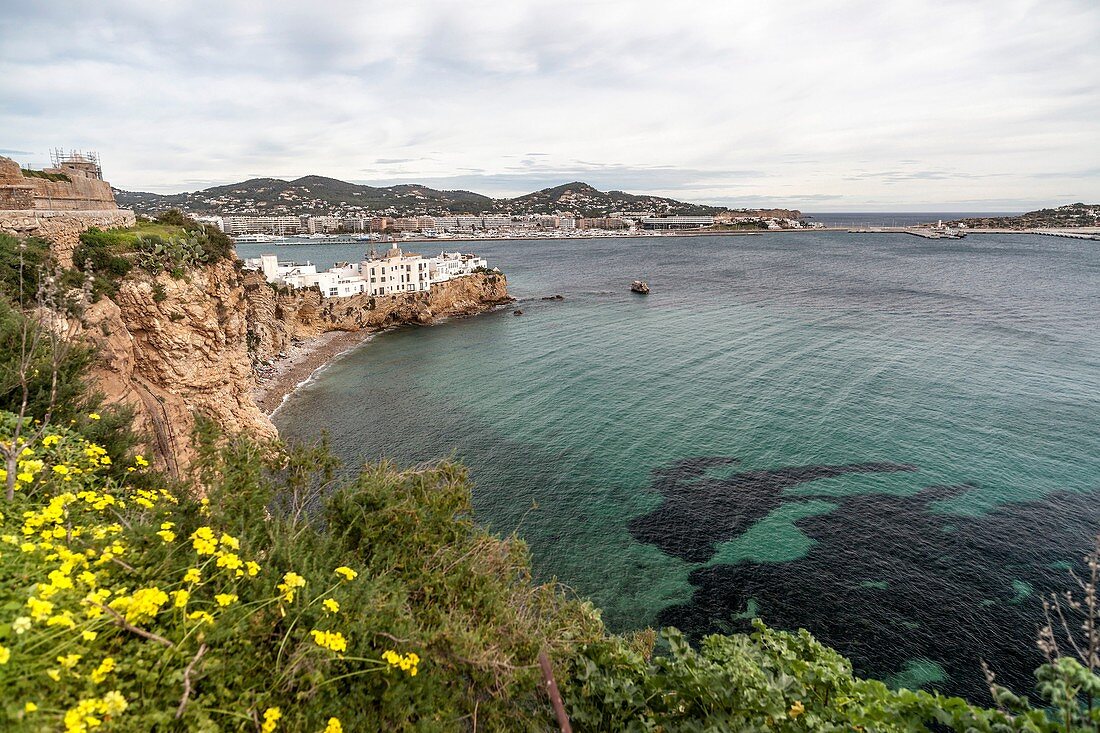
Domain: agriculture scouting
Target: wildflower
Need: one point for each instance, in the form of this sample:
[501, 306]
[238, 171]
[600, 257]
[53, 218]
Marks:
[291, 582]
[331, 605]
[54, 674]
[406, 663]
[201, 616]
[51, 440]
[229, 541]
[139, 460]
[229, 560]
[69, 660]
[203, 541]
[333, 726]
[114, 703]
[105, 668]
[87, 578]
[88, 635]
[5, 654]
[21, 624]
[226, 599]
[30, 707]
[346, 573]
[271, 719]
[180, 598]
[797, 708]
[61, 469]
[167, 535]
[145, 603]
[194, 575]
[93, 416]
[40, 609]
[253, 568]
[24, 477]
[331, 640]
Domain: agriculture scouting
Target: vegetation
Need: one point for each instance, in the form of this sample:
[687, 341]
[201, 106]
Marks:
[268, 591]
[30, 173]
[170, 243]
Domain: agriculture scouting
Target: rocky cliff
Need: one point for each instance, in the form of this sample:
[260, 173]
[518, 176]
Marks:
[173, 349]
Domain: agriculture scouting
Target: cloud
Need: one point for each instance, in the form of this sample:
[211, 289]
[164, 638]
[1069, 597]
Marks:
[861, 101]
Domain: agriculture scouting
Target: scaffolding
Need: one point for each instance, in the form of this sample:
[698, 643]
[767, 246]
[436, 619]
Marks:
[87, 161]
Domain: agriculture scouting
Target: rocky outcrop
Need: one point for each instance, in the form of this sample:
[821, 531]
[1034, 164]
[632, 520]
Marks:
[174, 349]
[277, 318]
[62, 228]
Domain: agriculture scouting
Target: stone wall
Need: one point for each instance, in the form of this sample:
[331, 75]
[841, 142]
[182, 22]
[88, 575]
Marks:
[82, 191]
[63, 228]
[76, 194]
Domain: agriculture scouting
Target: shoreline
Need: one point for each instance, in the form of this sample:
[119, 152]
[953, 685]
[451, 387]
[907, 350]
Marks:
[289, 373]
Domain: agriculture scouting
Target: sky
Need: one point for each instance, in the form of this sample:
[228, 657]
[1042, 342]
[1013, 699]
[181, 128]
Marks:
[848, 105]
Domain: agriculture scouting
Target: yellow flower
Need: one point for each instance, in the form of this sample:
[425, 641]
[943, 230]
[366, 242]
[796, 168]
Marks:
[271, 719]
[331, 605]
[140, 460]
[231, 542]
[333, 726]
[144, 604]
[50, 440]
[406, 663]
[346, 573]
[5, 654]
[229, 560]
[61, 469]
[194, 575]
[167, 535]
[331, 640]
[88, 635]
[105, 668]
[54, 674]
[203, 541]
[69, 660]
[114, 703]
[93, 415]
[180, 598]
[30, 707]
[797, 708]
[201, 616]
[291, 582]
[226, 599]
[252, 568]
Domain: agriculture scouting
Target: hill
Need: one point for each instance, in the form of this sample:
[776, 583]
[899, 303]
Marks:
[318, 195]
[1070, 215]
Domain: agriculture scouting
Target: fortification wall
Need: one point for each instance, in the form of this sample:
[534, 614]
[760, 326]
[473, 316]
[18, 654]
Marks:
[63, 228]
[76, 194]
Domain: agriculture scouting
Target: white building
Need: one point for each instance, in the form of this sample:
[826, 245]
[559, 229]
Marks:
[391, 274]
[396, 272]
[261, 224]
[450, 265]
[677, 222]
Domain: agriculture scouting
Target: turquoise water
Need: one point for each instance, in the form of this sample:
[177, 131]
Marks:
[887, 440]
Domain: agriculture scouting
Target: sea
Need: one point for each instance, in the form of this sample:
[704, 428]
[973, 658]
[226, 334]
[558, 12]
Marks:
[890, 441]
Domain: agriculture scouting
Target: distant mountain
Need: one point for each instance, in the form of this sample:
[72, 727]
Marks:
[584, 200]
[318, 195]
[1071, 215]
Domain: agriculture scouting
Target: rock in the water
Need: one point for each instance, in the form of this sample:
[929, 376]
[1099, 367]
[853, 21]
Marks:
[554, 297]
[517, 312]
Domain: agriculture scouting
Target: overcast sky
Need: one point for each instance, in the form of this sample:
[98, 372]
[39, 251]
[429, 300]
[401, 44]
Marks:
[982, 105]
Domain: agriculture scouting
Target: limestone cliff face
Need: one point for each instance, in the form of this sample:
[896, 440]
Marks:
[278, 317]
[173, 349]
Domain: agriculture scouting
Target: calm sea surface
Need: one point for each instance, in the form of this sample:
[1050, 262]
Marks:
[890, 441]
